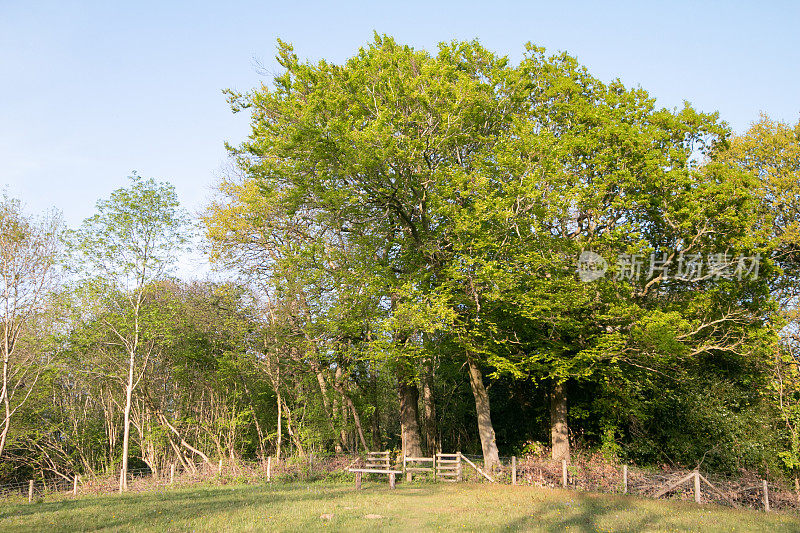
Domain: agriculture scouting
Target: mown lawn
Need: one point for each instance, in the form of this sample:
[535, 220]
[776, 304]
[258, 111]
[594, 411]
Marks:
[412, 507]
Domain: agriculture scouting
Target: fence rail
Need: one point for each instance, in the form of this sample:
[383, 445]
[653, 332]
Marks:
[583, 473]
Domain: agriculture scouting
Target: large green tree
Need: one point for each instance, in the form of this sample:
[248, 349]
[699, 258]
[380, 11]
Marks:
[457, 191]
[585, 166]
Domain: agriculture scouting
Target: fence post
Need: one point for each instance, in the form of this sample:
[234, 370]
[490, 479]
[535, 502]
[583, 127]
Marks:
[697, 495]
[172, 473]
[269, 466]
[220, 466]
[766, 496]
[797, 488]
[30, 491]
[75, 486]
[564, 473]
[625, 479]
[458, 470]
[513, 469]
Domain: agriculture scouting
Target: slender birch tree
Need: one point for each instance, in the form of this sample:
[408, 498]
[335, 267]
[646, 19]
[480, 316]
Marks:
[130, 243]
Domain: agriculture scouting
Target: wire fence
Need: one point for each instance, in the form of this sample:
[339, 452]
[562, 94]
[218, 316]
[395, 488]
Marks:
[591, 473]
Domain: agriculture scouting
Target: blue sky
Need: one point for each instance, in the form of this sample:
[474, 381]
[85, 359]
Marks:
[90, 91]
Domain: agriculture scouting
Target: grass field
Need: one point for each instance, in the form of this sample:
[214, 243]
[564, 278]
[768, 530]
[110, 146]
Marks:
[412, 507]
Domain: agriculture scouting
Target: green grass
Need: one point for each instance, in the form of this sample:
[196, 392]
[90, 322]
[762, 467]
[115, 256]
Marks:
[412, 507]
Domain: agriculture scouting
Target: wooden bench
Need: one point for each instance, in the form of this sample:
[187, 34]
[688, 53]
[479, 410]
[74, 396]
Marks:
[376, 463]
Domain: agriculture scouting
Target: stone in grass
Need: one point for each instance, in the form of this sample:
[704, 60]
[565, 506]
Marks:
[373, 516]
[326, 516]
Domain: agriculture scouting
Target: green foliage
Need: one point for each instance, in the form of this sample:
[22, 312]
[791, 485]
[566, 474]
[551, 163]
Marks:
[136, 234]
[405, 211]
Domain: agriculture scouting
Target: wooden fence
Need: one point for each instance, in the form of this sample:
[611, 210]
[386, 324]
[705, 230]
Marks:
[581, 474]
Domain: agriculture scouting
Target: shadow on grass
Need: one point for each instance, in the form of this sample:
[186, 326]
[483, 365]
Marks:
[591, 509]
[177, 506]
[576, 512]
[413, 507]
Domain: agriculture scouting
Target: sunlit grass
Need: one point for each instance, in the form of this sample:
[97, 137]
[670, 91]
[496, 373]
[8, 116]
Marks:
[412, 507]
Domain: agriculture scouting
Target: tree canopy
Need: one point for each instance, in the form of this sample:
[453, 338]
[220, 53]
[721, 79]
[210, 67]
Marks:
[433, 251]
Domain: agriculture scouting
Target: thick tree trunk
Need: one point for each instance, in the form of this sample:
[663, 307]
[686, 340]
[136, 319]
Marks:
[559, 430]
[409, 427]
[491, 457]
[428, 407]
[409, 399]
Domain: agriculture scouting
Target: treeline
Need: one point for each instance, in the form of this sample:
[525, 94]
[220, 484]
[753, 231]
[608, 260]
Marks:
[424, 251]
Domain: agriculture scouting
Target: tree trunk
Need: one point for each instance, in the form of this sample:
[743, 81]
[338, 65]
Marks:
[491, 457]
[279, 436]
[262, 452]
[7, 408]
[340, 413]
[375, 419]
[295, 439]
[110, 425]
[187, 465]
[6, 424]
[330, 415]
[347, 404]
[559, 431]
[181, 439]
[343, 428]
[123, 475]
[409, 427]
[5, 394]
[428, 407]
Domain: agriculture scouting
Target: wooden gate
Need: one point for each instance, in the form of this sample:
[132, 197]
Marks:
[448, 467]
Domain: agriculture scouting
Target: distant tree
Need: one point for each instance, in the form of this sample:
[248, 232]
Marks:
[770, 150]
[129, 244]
[30, 250]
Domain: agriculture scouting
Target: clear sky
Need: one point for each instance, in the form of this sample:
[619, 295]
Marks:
[90, 91]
